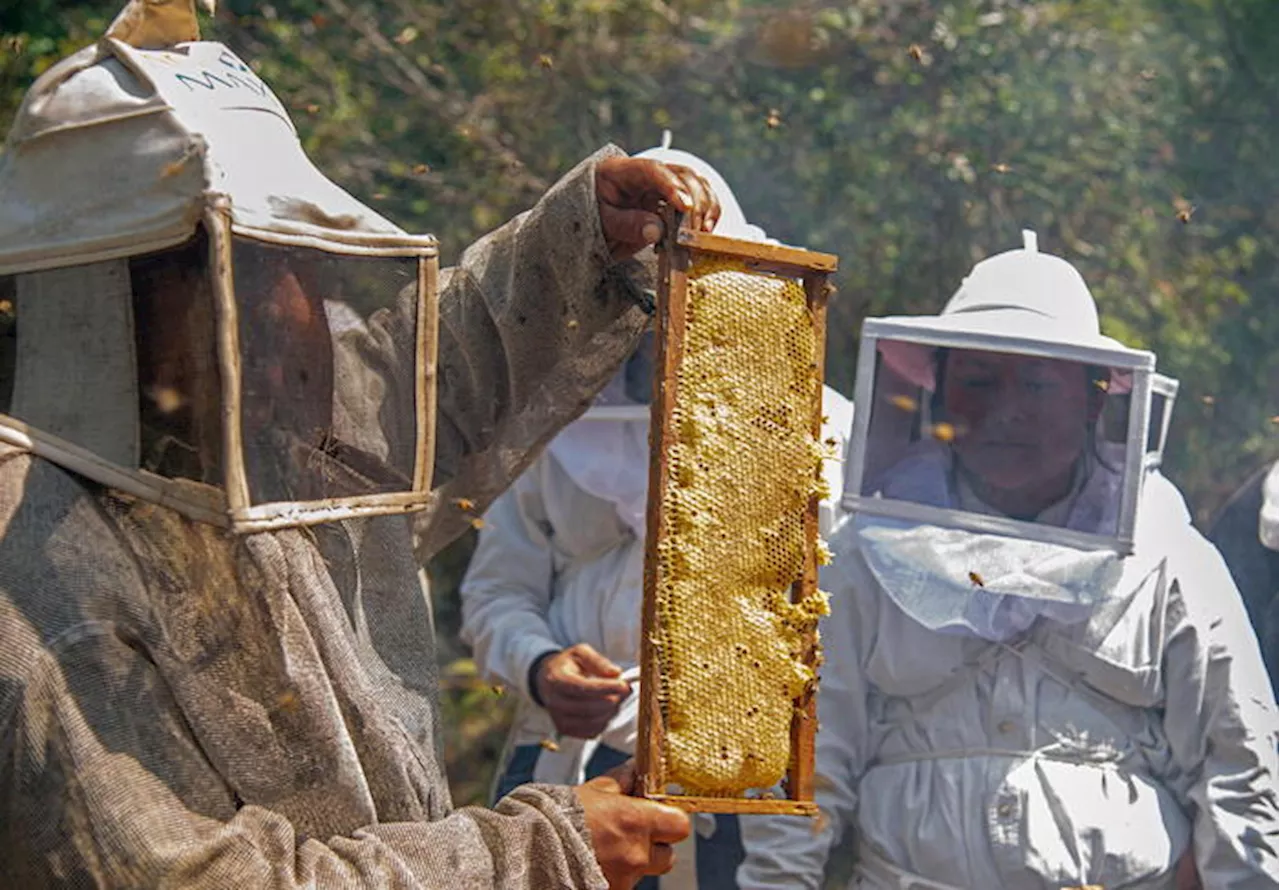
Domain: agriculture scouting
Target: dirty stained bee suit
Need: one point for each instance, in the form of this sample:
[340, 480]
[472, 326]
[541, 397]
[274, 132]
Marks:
[216, 668]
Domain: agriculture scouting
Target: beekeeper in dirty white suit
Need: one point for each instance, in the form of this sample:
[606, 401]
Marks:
[233, 387]
[1038, 674]
[551, 601]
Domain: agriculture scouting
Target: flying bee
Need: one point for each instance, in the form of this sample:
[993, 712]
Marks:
[943, 432]
[905, 403]
[464, 504]
[977, 579]
[774, 119]
[550, 744]
[916, 52]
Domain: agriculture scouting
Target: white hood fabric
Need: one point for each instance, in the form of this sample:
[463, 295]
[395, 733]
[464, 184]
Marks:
[184, 128]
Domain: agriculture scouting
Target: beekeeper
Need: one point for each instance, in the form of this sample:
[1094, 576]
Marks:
[216, 668]
[552, 598]
[1038, 673]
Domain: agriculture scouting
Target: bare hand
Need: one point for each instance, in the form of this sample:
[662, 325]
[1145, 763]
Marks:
[632, 837]
[580, 688]
[629, 192]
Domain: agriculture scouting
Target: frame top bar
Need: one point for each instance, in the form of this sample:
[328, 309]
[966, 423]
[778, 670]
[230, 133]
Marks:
[805, 260]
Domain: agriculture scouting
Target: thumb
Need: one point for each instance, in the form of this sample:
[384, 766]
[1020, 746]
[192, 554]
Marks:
[632, 229]
[622, 777]
[594, 664]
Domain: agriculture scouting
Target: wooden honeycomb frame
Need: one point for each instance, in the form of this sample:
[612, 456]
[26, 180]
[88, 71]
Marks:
[676, 257]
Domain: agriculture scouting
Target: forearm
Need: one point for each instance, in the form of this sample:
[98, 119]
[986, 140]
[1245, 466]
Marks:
[533, 322]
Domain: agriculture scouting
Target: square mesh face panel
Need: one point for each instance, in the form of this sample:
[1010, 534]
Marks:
[731, 605]
[327, 408]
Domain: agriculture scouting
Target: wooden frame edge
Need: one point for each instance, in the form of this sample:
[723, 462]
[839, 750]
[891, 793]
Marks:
[673, 264]
[428, 346]
[785, 259]
[674, 259]
[760, 806]
[236, 480]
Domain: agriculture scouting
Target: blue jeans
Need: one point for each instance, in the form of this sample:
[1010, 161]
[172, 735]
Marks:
[718, 856]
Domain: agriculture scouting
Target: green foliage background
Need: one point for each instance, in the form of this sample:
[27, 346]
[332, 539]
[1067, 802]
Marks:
[912, 137]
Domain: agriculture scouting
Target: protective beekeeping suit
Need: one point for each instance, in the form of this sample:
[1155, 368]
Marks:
[230, 379]
[560, 568]
[1247, 533]
[1038, 673]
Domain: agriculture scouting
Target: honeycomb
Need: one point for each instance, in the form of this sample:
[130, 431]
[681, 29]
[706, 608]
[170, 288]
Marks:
[742, 466]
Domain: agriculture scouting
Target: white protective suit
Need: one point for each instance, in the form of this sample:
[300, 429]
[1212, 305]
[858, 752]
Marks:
[557, 565]
[1079, 753]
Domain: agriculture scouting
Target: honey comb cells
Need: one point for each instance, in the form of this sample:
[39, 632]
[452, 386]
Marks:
[742, 468]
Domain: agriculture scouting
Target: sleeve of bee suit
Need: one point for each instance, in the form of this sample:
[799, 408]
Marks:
[786, 852]
[534, 321]
[1220, 718]
[507, 589]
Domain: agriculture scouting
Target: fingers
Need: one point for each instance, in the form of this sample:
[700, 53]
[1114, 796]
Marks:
[608, 783]
[630, 192]
[667, 825]
[578, 725]
[661, 859]
[705, 211]
[623, 775]
[627, 232]
[575, 687]
[581, 711]
[593, 663]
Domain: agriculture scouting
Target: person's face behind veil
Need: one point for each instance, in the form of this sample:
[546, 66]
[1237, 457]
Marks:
[287, 390]
[1020, 424]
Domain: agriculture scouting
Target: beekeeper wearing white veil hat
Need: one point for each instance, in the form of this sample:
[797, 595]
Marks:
[1038, 674]
[552, 598]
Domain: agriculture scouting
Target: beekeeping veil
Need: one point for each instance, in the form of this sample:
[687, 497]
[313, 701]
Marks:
[997, 470]
[195, 314]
